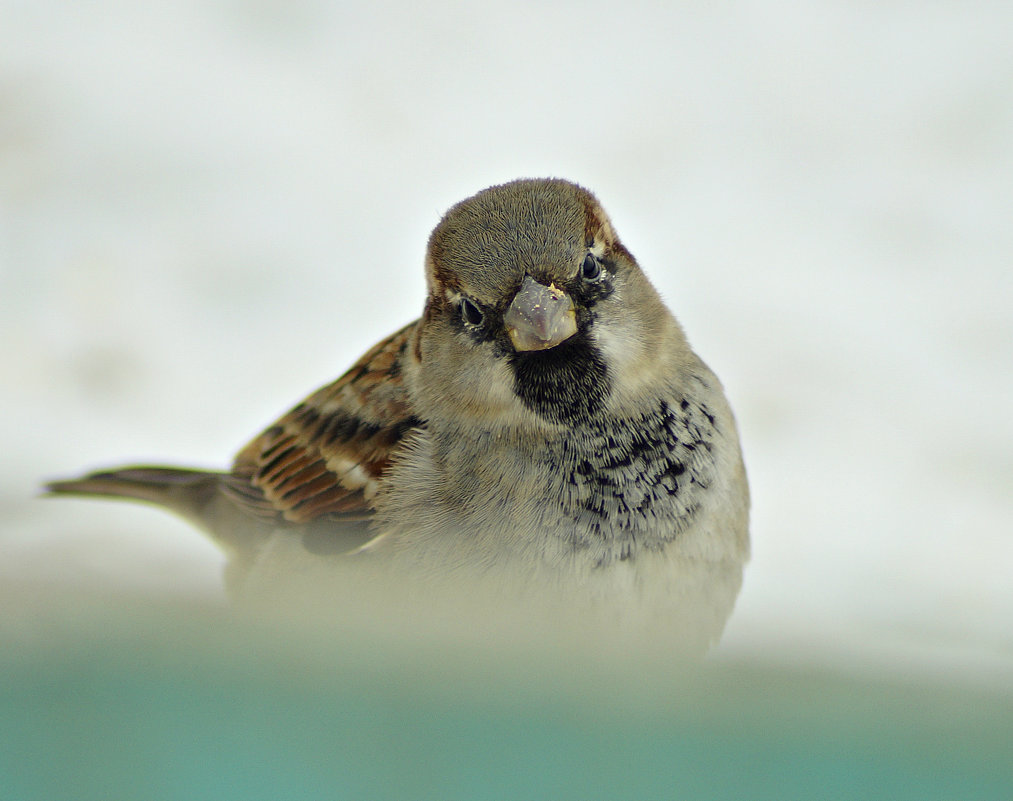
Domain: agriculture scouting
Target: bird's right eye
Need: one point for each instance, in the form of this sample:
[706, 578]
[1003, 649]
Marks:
[470, 312]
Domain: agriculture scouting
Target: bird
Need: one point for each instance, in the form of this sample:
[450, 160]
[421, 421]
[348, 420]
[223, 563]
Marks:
[544, 426]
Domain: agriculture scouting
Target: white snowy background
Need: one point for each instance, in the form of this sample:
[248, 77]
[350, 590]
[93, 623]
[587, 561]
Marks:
[207, 209]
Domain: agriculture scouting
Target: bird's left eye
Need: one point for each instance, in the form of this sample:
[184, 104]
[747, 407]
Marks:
[590, 270]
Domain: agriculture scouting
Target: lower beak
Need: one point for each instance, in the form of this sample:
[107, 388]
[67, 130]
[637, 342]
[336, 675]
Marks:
[540, 317]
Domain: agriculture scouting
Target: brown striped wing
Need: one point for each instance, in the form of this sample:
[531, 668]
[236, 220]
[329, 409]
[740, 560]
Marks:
[326, 457]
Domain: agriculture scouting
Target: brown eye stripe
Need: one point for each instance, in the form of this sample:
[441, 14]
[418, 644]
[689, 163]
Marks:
[595, 226]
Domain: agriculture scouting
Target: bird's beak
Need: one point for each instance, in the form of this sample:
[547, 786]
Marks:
[540, 317]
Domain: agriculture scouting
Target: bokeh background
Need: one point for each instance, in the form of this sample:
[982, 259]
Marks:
[207, 209]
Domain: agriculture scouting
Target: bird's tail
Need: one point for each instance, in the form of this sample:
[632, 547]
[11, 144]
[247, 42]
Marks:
[188, 493]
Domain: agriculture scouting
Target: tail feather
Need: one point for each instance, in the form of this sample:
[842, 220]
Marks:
[189, 493]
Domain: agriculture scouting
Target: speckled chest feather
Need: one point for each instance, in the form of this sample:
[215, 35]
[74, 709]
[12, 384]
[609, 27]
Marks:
[603, 490]
[634, 483]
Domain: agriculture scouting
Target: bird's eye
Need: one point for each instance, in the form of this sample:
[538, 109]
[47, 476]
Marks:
[470, 312]
[590, 270]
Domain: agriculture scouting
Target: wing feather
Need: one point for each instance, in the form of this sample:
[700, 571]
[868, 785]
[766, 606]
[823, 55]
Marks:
[326, 457]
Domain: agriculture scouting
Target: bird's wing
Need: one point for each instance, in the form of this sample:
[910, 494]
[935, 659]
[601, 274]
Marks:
[325, 458]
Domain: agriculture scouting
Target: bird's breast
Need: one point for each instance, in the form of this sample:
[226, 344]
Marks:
[598, 493]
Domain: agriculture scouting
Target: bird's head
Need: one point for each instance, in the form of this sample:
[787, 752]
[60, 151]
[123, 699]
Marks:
[536, 313]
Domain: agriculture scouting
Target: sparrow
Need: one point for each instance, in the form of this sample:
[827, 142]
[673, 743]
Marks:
[543, 425]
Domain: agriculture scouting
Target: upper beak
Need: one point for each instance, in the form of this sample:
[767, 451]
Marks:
[540, 317]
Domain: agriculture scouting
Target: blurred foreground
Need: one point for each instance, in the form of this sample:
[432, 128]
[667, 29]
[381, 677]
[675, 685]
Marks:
[127, 697]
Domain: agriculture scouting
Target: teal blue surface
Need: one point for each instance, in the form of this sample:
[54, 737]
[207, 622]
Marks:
[163, 713]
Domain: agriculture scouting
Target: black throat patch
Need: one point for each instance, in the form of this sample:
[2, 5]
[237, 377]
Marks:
[565, 384]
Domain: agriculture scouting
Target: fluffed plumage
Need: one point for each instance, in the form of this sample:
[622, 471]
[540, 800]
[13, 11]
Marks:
[544, 424]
